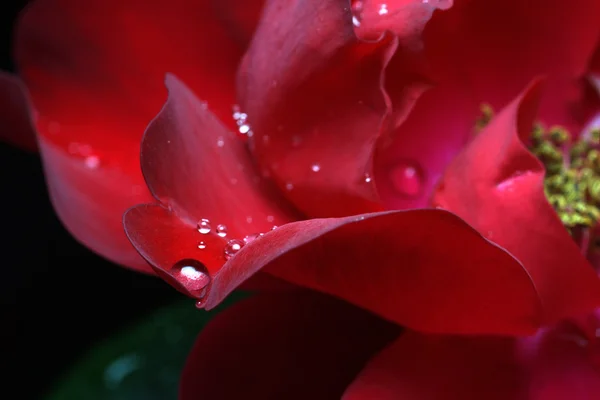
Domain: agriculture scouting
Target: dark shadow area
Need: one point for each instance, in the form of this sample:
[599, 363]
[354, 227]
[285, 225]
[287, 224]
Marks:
[58, 298]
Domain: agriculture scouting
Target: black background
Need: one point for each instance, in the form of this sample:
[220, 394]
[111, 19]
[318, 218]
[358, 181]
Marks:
[50, 317]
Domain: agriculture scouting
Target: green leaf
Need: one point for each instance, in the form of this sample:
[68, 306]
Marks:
[142, 362]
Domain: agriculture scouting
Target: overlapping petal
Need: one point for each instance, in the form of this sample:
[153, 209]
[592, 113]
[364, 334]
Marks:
[318, 108]
[472, 58]
[300, 346]
[94, 71]
[497, 186]
[553, 365]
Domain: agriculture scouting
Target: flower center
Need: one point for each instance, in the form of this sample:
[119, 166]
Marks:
[572, 181]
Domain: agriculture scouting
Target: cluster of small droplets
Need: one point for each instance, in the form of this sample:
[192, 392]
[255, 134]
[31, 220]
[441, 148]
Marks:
[233, 246]
[241, 120]
[572, 182]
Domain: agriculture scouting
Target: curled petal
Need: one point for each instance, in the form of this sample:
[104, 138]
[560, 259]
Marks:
[201, 170]
[94, 71]
[497, 186]
[403, 266]
[317, 109]
[300, 346]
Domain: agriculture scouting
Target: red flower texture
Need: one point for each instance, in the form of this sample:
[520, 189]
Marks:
[382, 195]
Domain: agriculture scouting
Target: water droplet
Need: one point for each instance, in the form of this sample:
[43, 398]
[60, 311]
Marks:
[357, 12]
[407, 179]
[232, 247]
[220, 142]
[274, 227]
[204, 226]
[383, 10]
[221, 230]
[249, 219]
[201, 245]
[252, 237]
[270, 218]
[192, 274]
[289, 186]
[244, 128]
[368, 178]
[92, 162]
[315, 167]
[200, 303]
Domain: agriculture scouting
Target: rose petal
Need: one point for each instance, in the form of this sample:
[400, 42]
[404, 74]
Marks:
[549, 366]
[94, 70]
[317, 109]
[496, 185]
[409, 168]
[201, 170]
[403, 266]
[15, 122]
[470, 43]
[240, 17]
[302, 346]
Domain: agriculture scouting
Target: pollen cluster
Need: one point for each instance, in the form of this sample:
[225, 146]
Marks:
[572, 180]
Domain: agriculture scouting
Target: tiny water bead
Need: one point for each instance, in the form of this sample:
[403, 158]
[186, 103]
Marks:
[221, 230]
[252, 237]
[315, 167]
[241, 121]
[204, 226]
[407, 179]
[202, 245]
[232, 248]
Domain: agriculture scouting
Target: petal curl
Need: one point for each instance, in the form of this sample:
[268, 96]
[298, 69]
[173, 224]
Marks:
[198, 168]
[497, 186]
[317, 109]
[553, 365]
[301, 346]
[94, 71]
[403, 266]
[15, 121]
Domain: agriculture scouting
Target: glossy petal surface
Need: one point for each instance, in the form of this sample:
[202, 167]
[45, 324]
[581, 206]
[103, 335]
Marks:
[553, 365]
[305, 346]
[95, 74]
[317, 109]
[403, 266]
[496, 185]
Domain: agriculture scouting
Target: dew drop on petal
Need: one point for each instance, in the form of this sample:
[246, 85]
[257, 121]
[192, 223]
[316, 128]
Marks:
[407, 179]
[221, 230]
[220, 142]
[252, 237]
[289, 186]
[270, 218]
[383, 9]
[249, 219]
[204, 226]
[201, 245]
[357, 12]
[192, 274]
[232, 247]
[368, 178]
[315, 167]
[274, 227]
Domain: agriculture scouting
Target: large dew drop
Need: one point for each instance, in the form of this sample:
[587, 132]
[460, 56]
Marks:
[193, 275]
[407, 179]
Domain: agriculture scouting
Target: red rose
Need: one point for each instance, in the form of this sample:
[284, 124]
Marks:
[348, 170]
